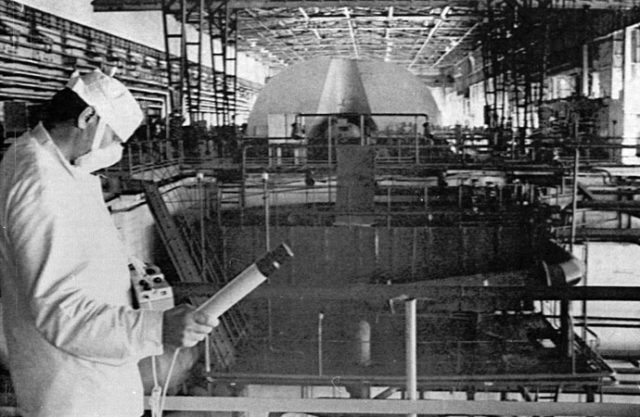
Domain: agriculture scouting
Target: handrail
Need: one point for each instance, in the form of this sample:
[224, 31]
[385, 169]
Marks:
[377, 406]
[288, 153]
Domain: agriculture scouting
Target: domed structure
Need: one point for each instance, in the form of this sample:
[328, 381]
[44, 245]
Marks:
[336, 85]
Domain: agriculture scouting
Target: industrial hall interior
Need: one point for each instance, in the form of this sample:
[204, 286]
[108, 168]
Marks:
[396, 207]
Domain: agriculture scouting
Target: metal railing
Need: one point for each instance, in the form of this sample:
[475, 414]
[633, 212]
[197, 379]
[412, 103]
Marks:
[315, 406]
[142, 156]
[390, 151]
[402, 151]
[293, 202]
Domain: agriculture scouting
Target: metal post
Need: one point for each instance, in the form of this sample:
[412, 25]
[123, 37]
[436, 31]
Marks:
[243, 186]
[389, 207]
[320, 318]
[414, 252]
[574, 203]
[275, 203]
[585, 324]
[426, 198]
[329, 156]
[219, 205]
[348, 204]
[585, 70]
[265, 190]
[200, 179]
[513, 144]
[415, 134]
[532, 193]
[566, 332]
[411, 351]
[130, 160]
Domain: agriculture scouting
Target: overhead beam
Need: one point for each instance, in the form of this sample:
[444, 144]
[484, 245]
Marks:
[432, 32]
[306, 19]
[458, 42]
[273, 35]
[142, 5]
[387, 35]
[145, 5]
[352, 32]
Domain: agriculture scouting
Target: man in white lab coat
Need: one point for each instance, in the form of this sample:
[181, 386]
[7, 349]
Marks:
[73, 339]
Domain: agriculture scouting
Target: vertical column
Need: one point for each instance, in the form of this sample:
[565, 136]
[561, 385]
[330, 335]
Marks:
[411, 351]
[265, 191]
[320, 319]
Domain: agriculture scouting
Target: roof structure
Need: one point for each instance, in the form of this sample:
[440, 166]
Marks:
[422, 36]
[421, 39]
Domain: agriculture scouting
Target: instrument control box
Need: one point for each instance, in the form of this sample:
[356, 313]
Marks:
[151, 290]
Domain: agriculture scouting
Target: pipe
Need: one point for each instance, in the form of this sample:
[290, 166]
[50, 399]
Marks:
[320, 319]
[566, 330]
[329, 156]
[364, 343]
[415, 136]
[411, 351]
[574, 202]
[265, 181]
[245, 282]
[585, 70]
[585, 327]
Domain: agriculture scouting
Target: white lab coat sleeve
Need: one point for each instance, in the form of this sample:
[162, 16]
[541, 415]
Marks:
[52, 266]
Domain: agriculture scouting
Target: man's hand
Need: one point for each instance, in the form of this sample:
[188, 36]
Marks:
[184, 327]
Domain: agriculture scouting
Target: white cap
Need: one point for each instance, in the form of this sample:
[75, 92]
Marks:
[113, 102]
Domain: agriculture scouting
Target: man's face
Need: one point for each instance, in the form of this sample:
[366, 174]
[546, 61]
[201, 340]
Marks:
[96, 129]
[109, 137]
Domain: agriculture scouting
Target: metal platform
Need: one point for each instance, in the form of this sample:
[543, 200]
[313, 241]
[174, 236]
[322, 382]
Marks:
[503, 351]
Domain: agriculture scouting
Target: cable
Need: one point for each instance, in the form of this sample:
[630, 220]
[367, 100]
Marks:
[166, 381]
[222, 301]
[156, 391]
[159, 394]
[155, 371]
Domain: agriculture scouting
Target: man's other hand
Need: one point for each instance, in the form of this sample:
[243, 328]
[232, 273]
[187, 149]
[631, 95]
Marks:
[184, 327]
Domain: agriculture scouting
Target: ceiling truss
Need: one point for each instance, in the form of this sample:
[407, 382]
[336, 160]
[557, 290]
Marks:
[420, 39]
[424, 36]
